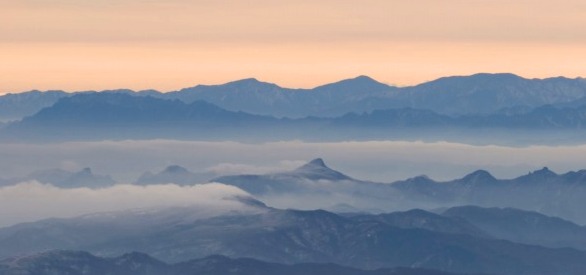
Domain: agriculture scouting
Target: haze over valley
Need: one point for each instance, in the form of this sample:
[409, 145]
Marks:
[260, 137]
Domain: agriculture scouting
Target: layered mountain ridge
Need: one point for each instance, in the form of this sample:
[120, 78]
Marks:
[459, 95]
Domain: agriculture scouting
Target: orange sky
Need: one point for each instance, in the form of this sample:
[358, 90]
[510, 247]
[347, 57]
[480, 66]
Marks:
[166, 45]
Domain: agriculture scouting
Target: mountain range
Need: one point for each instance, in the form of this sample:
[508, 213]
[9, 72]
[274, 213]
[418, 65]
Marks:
[414, 239]
[98, 116]
[471, 225]
[321, 187]
[315, 185]
[458, 95]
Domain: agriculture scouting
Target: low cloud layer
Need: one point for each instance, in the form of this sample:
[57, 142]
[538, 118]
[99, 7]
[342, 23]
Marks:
[31, 201]
[384, 161]
[227, 168]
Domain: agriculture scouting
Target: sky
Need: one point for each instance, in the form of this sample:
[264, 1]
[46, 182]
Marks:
[170, 44]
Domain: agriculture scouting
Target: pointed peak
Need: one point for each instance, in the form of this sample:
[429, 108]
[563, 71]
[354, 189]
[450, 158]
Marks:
[317, 169]
[317, 162]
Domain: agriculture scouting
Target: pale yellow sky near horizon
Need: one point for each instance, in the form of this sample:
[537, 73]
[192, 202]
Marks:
[166, 45]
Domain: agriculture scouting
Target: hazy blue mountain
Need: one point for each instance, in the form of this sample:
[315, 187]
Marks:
[256, 97]
[65, 179]
[79, 262]
[396, 118]
[486, 93]
[243, 95]
[315, 185]
[318, 186]
[285, 182]
[541, 118]
[118, 115]
[288, 236]
[173, 174]
[457, 95]
[19, 105]
[542, 190]
[522, 226]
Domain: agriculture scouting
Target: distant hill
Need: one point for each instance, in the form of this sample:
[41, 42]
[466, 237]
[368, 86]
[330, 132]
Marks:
[173, 174]
[17, 106]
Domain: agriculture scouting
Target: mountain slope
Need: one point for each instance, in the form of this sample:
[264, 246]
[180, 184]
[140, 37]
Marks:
[295, 181]
[522, 226]
[290, 236]
[318, 187]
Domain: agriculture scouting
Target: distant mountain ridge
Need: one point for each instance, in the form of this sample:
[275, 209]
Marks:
[119, 115]
[458, 95]
[64, 179]
[541, 190]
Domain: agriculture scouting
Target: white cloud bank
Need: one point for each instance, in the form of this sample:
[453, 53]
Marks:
[31, 201]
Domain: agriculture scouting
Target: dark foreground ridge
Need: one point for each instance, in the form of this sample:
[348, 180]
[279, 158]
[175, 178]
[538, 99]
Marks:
[78, 263]
[415, 239]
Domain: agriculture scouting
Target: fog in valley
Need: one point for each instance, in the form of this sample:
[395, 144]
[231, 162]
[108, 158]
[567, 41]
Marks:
[381, 161]
[32, 201]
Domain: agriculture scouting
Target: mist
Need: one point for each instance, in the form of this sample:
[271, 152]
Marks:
[31, 201]
[382, 161]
